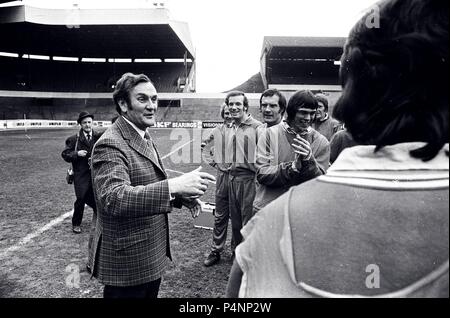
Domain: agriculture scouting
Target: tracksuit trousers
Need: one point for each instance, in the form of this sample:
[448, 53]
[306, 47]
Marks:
[242, 192]
[222, 213]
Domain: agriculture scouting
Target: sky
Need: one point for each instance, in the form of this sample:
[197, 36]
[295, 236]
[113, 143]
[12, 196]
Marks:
[228, 34]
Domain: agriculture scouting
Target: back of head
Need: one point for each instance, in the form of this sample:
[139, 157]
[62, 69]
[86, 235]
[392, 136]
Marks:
[124, 86]
[300, 99]
[395, 77]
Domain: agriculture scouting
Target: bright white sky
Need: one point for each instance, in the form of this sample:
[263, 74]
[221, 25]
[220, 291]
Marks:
[228, 34]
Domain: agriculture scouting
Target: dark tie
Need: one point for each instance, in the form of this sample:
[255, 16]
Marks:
[88, 137]
[150, 144]
[147, 137]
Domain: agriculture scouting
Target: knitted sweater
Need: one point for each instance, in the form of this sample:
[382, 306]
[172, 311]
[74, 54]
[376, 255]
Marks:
[274, 158]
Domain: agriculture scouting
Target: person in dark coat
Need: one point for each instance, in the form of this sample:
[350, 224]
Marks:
[78, 152]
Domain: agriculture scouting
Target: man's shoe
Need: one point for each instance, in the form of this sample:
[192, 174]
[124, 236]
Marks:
[213, 258]
[76, 229]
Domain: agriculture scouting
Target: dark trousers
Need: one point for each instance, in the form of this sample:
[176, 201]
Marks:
[242, 195]
[78, 206]
[222, 213]
[148, 290]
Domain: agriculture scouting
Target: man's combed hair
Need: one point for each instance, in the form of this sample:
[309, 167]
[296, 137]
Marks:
[395, 78]
[237, 93]
[300, 99]
[124, 86]
[275, 92]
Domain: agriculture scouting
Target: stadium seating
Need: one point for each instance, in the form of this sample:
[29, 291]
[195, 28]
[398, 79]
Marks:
[62, 76]
[307, 73]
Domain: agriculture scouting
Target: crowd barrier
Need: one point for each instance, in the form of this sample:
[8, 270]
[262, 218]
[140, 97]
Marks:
[39, 123]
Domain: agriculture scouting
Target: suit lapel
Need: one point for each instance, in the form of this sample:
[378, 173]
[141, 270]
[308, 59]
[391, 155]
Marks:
[83, 139]
[137, 143]
[159, 159]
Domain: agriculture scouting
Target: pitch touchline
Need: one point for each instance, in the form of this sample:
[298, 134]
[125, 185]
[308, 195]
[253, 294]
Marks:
[176, 149]
[36, 233]
[58, 220]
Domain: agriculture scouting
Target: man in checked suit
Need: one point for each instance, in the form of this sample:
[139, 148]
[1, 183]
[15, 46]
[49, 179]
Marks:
[134, 196]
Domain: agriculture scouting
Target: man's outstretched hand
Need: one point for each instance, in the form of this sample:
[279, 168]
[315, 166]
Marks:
[191, 185]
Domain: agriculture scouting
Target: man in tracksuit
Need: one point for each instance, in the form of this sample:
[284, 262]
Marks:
[222, 212]
[243, 141]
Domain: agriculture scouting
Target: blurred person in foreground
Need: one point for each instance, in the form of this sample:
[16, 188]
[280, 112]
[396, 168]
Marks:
[377, 223]
[222, 212]
[134, 196]
[291, 152]
[340, 140]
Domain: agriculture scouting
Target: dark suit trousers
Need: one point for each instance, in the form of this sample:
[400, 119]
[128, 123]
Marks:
[78, 206]
[148, 290]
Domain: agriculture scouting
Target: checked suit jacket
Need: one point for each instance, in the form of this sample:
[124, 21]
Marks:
[131, 241]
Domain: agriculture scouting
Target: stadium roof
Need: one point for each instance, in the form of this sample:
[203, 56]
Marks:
[253, 85]
[115, 33]
[292, 41]
[302, 47]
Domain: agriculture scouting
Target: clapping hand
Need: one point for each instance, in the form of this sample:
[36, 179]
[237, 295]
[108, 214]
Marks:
[302, 149]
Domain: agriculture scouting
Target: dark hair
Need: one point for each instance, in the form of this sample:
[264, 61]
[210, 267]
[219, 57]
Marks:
[237, 93]
[274, 92]
[321, 98]
[395, 78]
[300, 99]
[124, 86]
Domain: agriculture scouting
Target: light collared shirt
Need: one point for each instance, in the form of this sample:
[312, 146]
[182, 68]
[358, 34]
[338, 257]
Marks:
[139, 131]
[86, 135]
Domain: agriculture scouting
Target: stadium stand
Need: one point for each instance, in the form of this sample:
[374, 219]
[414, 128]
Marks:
[301, 60]
[57, 106]
[60, 76]
[35, 39]
[45, 87]
[49, 67]
[294, 63]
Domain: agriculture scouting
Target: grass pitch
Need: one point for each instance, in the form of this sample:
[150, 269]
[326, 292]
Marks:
[33, 192]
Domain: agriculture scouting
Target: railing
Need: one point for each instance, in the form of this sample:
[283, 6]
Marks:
[39, 123]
